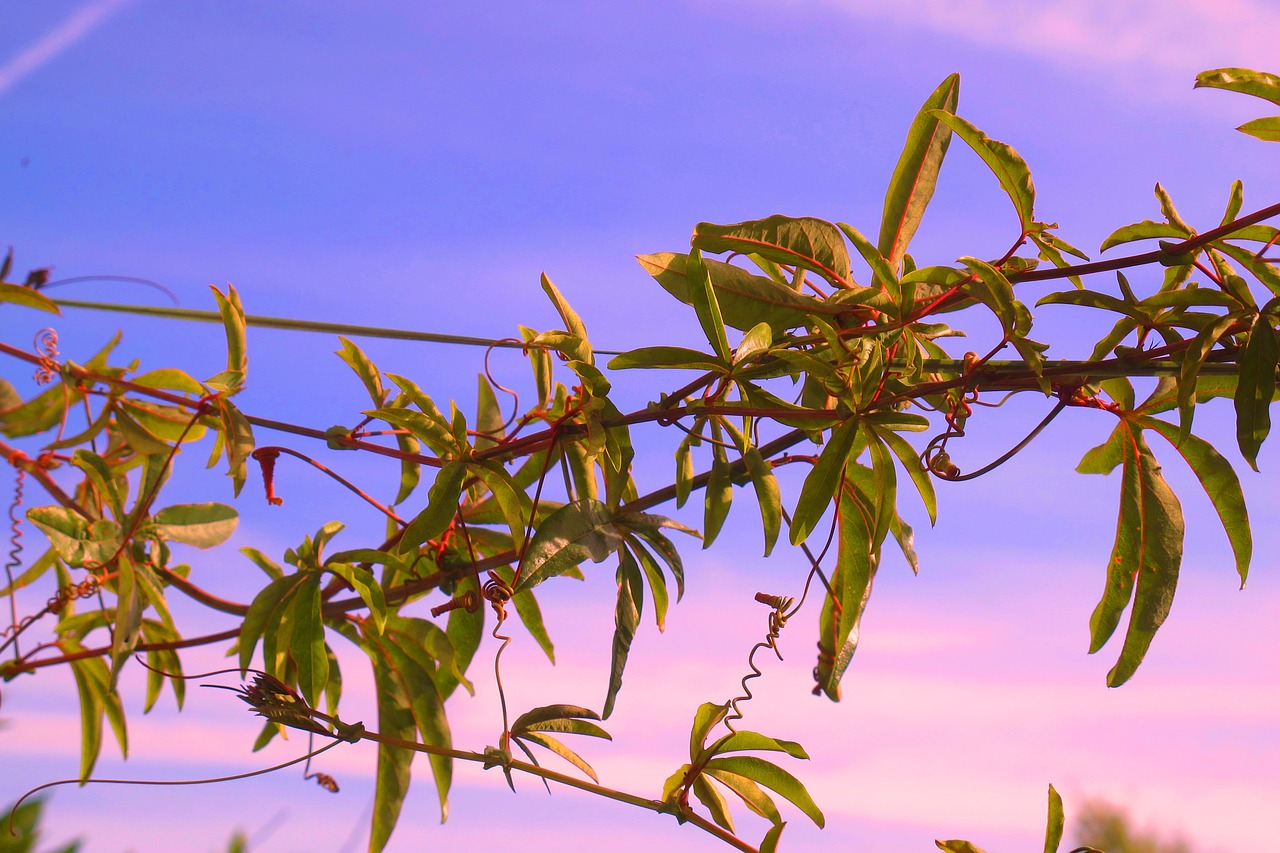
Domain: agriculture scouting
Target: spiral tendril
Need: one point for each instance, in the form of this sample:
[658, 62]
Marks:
[777, 621]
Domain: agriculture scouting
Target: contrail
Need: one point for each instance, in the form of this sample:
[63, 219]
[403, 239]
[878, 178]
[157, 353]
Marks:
[77, 26]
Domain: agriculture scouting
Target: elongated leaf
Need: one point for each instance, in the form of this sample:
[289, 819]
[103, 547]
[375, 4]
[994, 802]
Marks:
[1192, 360]
[911, 463]
[261, 610]
[712, 799]
[442, 505]
[768, 496]
[366, 586]
[991, 288]
[840, 622]
[28, 297]
[705, 719]
[365, 369]
[415, 677]
[772, 777]
[306, 646]
[957, 846]
[804, 242]
[233, 323]
[751, 741]
[1009, 168]
[718, 495]
[750, 794]
[626, 619]
[745, 299]
[1145, 560]
[771, 838]
[1221, 485]
[822, 482]
[706, 306]
[1267, 129]
[665, 357]
[1053, 831]
[395, 719]
[916, 174]
[1255, 389]
[883, 273]
[1243, 80]
[531, 617]
[576, 532]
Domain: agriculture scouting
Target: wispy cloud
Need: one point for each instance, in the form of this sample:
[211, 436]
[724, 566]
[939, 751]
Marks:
[1155, 34]
[81, 22]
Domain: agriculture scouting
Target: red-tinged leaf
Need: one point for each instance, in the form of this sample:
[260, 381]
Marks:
[1221, 485]
[1255, 389]
[774, 778]
[745, 299]
[916, 174]
[803, 242]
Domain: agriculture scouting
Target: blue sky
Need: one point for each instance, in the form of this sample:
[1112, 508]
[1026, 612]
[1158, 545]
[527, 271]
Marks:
[419, 167]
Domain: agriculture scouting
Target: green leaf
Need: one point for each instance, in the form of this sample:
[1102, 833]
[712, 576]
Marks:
[992, 289]
[262, 608]
[751, 741]
[1009, 168]
[1221, 485]
[771, 838]
[911, 463]
[804, 242]
[306, 646]
[1144, 230]
[712, 799]
[574, 533]
[883, 274]
[750, 794]
[745, 299]
[28, 297]
[572, 322]
[234, 324]
[707, 307]
[1191, 363]
[1053, 831]
[77, 541]
[203, 525]
[718, 494]
[1267, 129]
[442, 505]
[531, 617]
[772, 777]
[1255, 389]
[395, 719]
[1144, 561]
[822, 482]
[365, 585]
[365, 369]
[1243, 80]
[237, 439]
[707, 717]
[665, 357]
[956, 846]
[856, 563]
[768, 496]
[414, 675]
[916, 174]
[626, 619]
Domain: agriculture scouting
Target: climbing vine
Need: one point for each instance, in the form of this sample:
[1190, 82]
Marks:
[805, 364]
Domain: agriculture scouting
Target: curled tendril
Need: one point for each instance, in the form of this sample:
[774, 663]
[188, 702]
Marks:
[777, 621]
[46, 345]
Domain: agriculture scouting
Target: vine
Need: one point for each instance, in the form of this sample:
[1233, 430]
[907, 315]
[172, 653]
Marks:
[521, 498]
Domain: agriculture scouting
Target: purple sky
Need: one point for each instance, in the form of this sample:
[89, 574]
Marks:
[419, 169]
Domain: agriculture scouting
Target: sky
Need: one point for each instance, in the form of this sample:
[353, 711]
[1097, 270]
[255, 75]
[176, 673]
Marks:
[419, 165]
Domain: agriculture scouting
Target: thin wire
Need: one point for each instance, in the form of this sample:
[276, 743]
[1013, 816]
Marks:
[304, 325]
